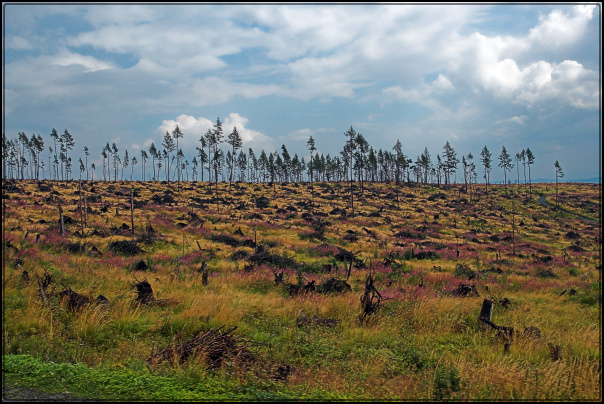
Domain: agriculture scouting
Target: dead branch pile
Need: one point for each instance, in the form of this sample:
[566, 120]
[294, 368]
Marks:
[278, 261]
[239, 255]
[465, 290]
[351, 238]
[464, 271]
[293, 289]
[493, 269]
[74, 248]
[213, 347]
[125, 247]
[334, 285]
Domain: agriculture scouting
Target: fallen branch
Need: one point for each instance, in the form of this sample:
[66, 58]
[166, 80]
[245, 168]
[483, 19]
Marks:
[506, 332]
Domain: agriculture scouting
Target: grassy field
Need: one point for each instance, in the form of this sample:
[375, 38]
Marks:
[413, 265]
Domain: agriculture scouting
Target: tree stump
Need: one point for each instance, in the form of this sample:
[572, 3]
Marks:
[555, 351]
[204, 273]
[486, 312]
[506, 347]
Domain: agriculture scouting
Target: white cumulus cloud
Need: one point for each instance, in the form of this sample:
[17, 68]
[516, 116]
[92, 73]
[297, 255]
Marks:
[194, 128]
[559, 29]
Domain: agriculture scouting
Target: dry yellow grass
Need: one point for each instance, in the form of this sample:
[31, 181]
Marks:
[404, 351]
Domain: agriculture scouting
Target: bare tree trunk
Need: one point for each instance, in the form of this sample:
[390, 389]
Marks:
[81, 213]
[86, 208]
[42, 293]
[132, 210]
[62, 223]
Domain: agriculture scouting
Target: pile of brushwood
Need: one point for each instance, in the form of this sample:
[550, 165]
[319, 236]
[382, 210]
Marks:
[211, 346]
[216, 348]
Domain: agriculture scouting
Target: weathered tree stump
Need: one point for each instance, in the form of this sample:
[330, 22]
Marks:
[278, 277]
[371, 299]
[25, 277]
[506, 347]
[204, 273]
[144, 292]
[555, 351]
[486, 312]
[74, 300]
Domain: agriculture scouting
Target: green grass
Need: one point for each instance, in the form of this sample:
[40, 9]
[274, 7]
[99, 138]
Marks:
[139, 384]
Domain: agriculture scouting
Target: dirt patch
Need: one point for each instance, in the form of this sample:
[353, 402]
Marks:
[17, 393]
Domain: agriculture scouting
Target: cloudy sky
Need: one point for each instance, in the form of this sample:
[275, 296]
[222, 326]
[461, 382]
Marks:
[497, 75]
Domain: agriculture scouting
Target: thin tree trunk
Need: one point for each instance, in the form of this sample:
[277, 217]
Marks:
[81, 212]
[42, 293]
[62, 223]
[132, 210]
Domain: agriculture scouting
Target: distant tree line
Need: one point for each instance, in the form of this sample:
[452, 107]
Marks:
[357, 162]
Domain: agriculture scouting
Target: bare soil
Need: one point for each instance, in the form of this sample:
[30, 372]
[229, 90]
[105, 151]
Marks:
[16, 394]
